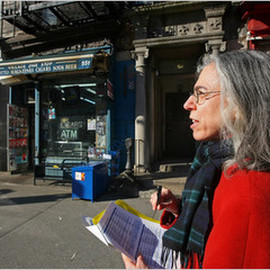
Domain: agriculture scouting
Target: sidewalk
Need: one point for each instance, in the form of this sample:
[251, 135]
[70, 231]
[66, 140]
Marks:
[21, 178]
[40, 226]
[143, 186]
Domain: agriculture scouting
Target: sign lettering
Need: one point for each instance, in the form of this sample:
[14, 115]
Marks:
[69, 134]
[47, 66]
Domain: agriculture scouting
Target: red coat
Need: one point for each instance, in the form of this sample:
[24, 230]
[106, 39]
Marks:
[240, 237]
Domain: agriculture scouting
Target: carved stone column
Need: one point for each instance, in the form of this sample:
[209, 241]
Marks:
[140, 55]
[215, 46]
[214, 23]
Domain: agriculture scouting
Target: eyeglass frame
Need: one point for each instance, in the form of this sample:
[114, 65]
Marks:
[197, 94]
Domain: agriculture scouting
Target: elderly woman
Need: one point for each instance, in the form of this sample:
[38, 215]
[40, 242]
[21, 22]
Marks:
[223, 220]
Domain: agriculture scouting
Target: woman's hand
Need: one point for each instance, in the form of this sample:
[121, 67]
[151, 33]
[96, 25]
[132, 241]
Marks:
[129, 264]
[166, 201]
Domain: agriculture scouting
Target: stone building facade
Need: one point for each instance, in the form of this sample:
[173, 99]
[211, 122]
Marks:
[169, 39]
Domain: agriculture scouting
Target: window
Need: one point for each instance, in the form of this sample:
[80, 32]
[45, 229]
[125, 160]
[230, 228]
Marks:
[69, 120]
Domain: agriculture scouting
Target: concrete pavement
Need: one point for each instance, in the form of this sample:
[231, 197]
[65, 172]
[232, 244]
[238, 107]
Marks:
[40, 226]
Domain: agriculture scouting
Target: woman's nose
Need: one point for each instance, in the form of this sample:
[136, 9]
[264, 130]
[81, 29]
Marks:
[190, 103]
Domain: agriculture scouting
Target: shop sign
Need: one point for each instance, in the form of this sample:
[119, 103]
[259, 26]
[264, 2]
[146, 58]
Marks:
[91, 124]
[13, 143]
[69, 134]
[79, 176]
[110, 90]
[28, 67]
[21, 159]
[71, 122]
[70, 127]
[51, 113]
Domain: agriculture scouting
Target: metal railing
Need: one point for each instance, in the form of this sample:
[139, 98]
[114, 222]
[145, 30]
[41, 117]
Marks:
[9, 10]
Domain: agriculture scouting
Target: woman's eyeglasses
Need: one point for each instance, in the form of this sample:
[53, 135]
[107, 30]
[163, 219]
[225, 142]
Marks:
[202, 96]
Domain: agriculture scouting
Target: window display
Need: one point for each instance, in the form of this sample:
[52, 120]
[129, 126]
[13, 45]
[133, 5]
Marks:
[18, 138]
[70, 124]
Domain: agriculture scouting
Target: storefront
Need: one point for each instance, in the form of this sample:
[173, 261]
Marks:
[72, 98]
[61, 108]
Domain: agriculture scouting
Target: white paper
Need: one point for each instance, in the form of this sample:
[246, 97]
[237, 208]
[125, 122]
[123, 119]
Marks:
[94, 229]
[133, 235]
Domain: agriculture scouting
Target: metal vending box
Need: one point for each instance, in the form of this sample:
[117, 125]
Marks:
[89, 181]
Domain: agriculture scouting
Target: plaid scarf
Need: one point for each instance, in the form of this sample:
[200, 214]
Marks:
[189, 234]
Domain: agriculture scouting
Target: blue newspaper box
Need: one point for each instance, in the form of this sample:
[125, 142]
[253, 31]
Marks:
[89, 181]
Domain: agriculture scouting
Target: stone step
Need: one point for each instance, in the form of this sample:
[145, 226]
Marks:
[174, 167]
[144, 184]
[175, 184]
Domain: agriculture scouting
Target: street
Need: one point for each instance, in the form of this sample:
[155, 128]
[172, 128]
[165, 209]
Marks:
[40, 227]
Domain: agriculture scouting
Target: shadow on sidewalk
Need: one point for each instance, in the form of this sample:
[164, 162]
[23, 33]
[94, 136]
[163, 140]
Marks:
[32, 199]
[143, 185]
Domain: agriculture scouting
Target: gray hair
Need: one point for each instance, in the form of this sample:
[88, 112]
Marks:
[245, 83]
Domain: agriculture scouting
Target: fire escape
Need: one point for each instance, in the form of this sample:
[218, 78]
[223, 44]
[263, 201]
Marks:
[34, 27]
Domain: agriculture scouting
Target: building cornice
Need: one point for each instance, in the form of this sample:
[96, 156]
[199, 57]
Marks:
[177, 6]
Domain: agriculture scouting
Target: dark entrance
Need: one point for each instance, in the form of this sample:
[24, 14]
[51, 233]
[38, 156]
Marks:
[176, 78]
[179, 142]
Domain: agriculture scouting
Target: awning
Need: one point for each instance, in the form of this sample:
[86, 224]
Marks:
[53, 63]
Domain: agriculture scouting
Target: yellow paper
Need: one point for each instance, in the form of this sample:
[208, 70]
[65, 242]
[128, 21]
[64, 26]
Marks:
[128, 208]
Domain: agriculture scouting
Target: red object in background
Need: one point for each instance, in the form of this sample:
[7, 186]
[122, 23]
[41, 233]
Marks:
[257, 17]
[259, 27]
[13, 143]
[110, 89]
